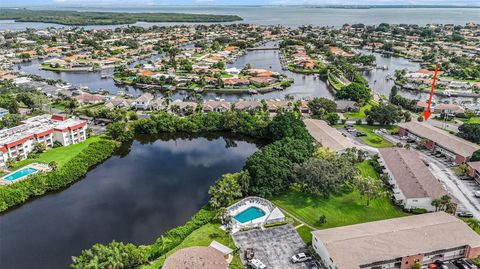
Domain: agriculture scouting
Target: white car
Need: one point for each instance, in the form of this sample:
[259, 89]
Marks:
[257, 264]
[477, 194]
[301, 257]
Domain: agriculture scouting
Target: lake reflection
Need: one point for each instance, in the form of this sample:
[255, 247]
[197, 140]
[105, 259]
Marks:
[148, 187]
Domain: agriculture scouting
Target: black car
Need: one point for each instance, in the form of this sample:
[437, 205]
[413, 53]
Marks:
[359, 133]
[465, 214]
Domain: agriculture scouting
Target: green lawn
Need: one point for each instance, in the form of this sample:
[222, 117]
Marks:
[306, 234]
[366, 169]
[203, 236]
[471, 120]
[340, 210]
[360, 114]
[61, 155]
[373, 139]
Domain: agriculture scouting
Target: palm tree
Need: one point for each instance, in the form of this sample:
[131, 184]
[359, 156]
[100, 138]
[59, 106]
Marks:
[165, 242]
[437, 204]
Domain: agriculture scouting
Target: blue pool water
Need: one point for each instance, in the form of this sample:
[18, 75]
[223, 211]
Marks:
[249, 214]
[21, 173]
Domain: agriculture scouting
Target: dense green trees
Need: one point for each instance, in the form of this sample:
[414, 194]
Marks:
[369, 188]
[9, 102]
[114, 255]
[287, 125]
[271, 168]
[385, 114]
[225, 190]
[320, 106]
[399, 100]
[325, 173]
[356, 92]
[470, 131]
[119, 131]
[10, 120]
[107, 18]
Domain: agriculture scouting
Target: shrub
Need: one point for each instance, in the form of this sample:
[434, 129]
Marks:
[375, 140]
[275, 224]
[113, 255]
[175, 236]
[418, 211]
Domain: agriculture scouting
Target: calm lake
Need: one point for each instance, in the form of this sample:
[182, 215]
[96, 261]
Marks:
[146, 188]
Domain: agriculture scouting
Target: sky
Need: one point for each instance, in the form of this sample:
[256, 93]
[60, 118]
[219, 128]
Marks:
[52, 3]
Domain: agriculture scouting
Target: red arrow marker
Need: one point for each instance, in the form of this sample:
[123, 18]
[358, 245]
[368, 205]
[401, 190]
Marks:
[427, 113]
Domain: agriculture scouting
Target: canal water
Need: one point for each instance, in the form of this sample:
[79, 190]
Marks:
[304, 86]
[145, 189]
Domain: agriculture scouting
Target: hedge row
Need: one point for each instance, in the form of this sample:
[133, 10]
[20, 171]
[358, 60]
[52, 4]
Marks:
[38, 184]
[174, 237]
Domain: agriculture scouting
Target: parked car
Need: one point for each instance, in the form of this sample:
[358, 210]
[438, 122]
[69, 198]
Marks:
[470, 263]
[464, 214]
[360, 133]
[477, 194]
[257, 264]
[441, 265]
[301, 257]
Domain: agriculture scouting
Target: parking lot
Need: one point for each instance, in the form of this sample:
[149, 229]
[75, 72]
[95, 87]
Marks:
[273, 247]
[442, 169]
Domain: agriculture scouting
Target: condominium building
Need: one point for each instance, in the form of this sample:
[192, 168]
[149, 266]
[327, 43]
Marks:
[17, 142]
[397, 243]
[414, 186]
[453, 147]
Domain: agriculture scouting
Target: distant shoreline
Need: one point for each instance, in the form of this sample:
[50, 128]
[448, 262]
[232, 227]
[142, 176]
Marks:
[67, 7]
[84, 18]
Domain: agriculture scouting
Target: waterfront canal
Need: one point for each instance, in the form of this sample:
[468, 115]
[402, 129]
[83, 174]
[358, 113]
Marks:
[145, 189]
[304, 86]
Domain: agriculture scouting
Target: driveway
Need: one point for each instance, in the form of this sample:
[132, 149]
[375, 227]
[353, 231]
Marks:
[273, 246]
[462, 190]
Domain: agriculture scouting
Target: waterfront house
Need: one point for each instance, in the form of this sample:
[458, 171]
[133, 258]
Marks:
[143, 102]
[235, 82]
[118, 102]
[216, 106]
[346, 106]
[88, 98]
[262, 81]
[180, 107]
[248, 105]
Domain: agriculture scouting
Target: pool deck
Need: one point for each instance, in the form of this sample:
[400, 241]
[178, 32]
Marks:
[266, 206]
[37, 166]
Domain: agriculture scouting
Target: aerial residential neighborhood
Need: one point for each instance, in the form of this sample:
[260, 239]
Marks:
[239, 134]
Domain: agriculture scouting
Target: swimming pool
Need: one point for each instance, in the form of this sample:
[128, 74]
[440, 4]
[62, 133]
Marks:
[249, 214]
[20, 173]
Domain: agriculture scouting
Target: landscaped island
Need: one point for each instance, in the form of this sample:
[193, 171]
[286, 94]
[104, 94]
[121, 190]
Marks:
[106, 18]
